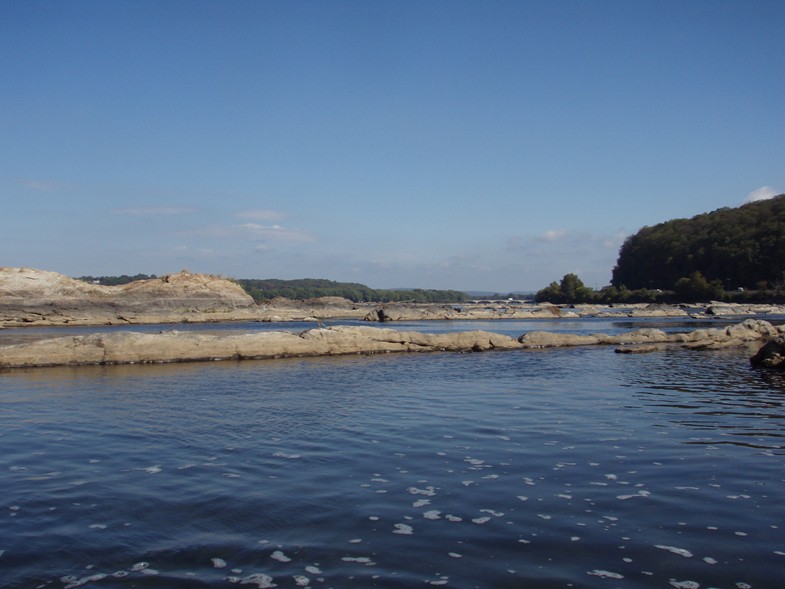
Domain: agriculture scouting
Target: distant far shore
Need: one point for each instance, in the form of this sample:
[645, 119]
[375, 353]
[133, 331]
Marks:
[30, 297]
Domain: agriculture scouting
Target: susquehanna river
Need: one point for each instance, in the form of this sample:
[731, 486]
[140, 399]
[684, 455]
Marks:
[535, 469]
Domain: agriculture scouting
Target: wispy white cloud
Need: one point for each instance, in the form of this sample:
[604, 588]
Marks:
[255, 231]
[154, 211]
[762, 193]
[552, 235]
[40, 185]
[261, 215]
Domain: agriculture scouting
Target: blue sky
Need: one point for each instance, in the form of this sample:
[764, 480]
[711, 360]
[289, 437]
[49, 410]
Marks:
[484, 145]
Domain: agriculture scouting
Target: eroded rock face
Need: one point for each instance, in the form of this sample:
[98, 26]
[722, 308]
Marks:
[29, 296]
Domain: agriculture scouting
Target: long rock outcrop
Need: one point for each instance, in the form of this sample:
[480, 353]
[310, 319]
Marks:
[132, 347]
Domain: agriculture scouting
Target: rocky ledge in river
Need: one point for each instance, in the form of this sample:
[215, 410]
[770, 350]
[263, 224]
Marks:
[133, 348]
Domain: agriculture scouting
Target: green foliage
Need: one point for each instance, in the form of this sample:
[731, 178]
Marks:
[308, 288]
[696, 288]
[739, 247]
[570, 290]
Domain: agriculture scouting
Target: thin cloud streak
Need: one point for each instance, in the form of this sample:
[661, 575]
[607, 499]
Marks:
[154, 211]
[38, 185]
[254, 231]
[261, 215]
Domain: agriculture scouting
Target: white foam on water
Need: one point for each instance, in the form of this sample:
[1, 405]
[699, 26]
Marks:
[492, 512]
[355, 541]
[373, 518]
[421, 503]
[743, 585]
[709, 560]
[280, 556]
[360, 560]
[259, 579]
[98, 526]
[301, 580]
[432, 514]
[605, 574]
[72, 582]
[155, 469]
[685, 584]
[120, 574]
[403, 529]
[680, 551]
[454, 555]
[453, 518]
[574, 538]
[543, 516]
[314, 570]
[481, 520]
[140, 566]
[218, 563]
[427, 491]
[287, 456]
[523, 497]
[741, 533]
[528, 481]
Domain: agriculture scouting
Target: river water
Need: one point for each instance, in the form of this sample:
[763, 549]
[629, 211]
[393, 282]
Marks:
[533, 469]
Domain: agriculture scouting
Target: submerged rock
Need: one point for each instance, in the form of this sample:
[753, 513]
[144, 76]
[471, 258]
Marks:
[771, 355]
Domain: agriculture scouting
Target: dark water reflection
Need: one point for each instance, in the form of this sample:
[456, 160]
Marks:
[542, 469]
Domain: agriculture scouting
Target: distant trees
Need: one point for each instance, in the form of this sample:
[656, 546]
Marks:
[116, 280]
[308, 288]
[696, 288]
[570, 290]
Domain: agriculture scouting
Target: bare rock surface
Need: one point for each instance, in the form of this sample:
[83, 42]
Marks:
[29, 296]
[133, 347]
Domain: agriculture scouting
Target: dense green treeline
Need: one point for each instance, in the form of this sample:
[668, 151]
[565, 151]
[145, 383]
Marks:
[116, 280]
[741, 247]
[307, 288]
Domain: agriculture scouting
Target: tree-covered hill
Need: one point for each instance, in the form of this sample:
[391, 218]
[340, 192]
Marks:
[737, 247]
[307, 288]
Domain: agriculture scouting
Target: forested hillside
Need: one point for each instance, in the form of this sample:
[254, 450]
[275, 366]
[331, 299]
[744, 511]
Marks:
[737, 247]
[307, 288]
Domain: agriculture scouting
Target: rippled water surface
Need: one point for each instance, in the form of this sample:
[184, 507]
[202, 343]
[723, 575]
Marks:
[541, 469]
